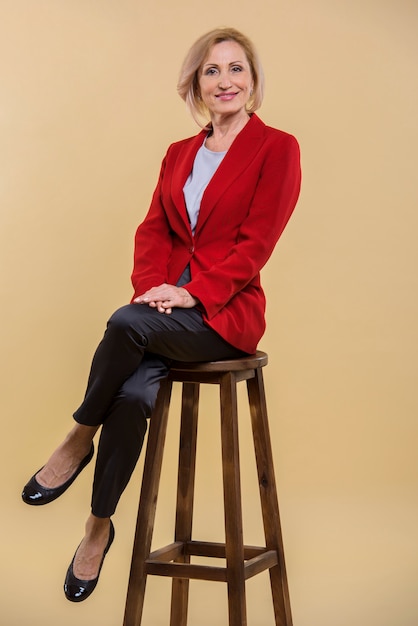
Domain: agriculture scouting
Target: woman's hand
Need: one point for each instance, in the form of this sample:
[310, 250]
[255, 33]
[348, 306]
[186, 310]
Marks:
[165, 297]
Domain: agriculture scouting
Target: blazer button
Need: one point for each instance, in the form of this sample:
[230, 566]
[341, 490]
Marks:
[191, 249]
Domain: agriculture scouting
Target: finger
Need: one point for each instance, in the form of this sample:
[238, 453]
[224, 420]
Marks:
[141, 300]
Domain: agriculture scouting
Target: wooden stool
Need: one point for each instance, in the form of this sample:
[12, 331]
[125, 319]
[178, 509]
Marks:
[242, 561]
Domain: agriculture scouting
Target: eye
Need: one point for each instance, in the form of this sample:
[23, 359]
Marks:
[236, 68]
[211, 71]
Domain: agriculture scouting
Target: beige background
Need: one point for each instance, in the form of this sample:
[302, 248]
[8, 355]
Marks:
[88, 106]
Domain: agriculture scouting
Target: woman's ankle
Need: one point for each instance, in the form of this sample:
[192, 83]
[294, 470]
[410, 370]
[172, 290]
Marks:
[81, 436]
[97, 526]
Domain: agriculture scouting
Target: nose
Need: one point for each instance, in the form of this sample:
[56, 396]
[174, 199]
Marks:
[224, 81]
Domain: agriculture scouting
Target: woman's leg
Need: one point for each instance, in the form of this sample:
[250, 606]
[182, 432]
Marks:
[120, 444]
[132, 331]
[158, 338]
[181, 336]
[123, 433]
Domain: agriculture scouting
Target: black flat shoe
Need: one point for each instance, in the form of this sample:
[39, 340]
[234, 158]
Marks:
[77, 590]
[34, 494]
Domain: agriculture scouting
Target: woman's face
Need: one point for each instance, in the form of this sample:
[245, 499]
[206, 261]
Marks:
[225, 79]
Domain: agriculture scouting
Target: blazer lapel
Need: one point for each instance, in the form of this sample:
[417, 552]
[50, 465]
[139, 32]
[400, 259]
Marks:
[181, 171]
[239, 156]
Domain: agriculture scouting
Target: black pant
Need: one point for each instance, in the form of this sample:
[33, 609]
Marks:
[129, 363]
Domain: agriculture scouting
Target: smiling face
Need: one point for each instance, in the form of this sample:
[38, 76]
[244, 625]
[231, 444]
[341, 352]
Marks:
[225, 80]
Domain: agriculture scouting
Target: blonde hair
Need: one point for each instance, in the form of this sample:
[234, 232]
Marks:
[188, 84]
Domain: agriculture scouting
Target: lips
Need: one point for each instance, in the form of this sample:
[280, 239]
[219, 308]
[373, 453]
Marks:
[226, 96]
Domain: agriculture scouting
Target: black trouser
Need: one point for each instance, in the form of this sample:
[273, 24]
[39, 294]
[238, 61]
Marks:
[129, 363]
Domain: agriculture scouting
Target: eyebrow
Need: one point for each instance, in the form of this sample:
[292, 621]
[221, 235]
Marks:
[216, 65]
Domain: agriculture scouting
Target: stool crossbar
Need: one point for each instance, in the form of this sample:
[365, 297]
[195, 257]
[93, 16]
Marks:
[242, 561]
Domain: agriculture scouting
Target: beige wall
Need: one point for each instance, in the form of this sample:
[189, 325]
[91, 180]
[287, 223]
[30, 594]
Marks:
[87, 108]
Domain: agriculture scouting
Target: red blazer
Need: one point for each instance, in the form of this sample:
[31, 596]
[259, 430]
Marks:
[243, 212]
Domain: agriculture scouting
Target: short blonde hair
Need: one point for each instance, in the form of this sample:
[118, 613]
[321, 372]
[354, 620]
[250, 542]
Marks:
[188, 84]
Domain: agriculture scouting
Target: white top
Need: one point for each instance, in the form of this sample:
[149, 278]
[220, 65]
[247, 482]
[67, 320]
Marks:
[205, 165]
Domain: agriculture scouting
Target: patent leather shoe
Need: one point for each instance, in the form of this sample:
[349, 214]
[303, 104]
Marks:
[77, 590]
[35, 494]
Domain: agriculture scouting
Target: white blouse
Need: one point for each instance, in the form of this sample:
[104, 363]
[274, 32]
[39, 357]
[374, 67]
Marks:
[205, 165]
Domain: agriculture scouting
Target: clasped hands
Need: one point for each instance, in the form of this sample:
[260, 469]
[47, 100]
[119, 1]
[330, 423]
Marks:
[165, 297]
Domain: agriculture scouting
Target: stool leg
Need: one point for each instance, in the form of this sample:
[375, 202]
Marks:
[185, 496]
[147, 506]
[268, 494]
[232, 502]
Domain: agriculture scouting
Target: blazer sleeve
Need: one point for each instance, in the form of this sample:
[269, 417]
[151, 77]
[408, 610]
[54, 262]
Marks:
[271, 206]
[152, 244]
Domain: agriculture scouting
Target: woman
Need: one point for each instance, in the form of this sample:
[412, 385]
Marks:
[222, 200]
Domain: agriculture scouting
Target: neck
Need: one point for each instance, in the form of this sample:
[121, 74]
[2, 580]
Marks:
[225, 129]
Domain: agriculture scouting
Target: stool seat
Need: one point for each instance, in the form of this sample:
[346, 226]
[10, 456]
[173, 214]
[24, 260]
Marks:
[242, 561]
[254, 361]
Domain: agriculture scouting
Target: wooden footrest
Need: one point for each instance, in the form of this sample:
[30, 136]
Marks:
[173, 561]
